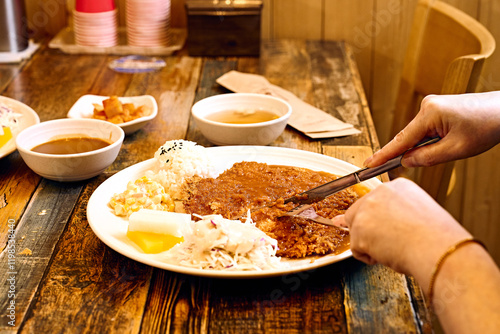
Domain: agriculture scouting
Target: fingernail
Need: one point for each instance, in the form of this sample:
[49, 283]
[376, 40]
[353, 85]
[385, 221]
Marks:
[406, 162]
[368, 161]
[338, 220]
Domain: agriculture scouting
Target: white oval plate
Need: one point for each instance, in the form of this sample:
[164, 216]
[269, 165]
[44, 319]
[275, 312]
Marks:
[83, 108]
[29, 117]
[112, 230]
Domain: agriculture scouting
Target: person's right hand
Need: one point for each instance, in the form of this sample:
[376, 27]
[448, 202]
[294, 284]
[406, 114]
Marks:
[399, 225]
[468, 124]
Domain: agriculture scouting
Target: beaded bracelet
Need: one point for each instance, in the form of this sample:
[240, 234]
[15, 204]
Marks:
[443, 257]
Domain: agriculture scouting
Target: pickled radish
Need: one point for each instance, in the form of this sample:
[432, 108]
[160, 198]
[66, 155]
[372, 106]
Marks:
[153, 243]
[156, 231]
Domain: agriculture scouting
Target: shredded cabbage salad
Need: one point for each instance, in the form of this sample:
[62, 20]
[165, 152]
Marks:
[8, 118]
[221, 244]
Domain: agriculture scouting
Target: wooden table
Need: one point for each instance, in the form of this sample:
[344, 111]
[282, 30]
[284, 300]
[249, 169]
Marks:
[72, 282]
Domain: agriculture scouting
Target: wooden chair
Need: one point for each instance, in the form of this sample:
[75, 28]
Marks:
[445, 55]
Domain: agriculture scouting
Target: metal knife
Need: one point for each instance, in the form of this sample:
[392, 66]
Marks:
[325, 190]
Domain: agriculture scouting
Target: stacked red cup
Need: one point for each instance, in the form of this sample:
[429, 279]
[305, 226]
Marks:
[95, 23]
[148, 22]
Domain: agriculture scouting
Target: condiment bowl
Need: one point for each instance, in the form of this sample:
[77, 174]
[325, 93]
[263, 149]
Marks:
[70, 167]
[261, 133]
[84, 108]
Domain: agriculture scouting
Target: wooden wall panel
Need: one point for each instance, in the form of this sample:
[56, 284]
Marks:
[266, 19]
[45, 17]
[297, 19]
[351, 20]
[481, 199]
[489, 14]
[177, 13]
[392, 24]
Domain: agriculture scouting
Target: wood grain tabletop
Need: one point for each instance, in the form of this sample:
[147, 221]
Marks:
[61, 278]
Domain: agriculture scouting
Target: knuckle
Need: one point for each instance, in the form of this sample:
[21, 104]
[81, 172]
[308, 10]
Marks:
[427, 159]
[400, 137]
[400, 183]
[429, 102]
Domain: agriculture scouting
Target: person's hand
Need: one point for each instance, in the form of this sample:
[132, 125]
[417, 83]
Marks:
[399, 225]
[468, 124]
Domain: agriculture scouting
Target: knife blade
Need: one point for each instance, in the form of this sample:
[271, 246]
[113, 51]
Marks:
[325, 190]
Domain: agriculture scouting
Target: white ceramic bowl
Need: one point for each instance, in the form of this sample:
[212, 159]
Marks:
[262, 133]
[69, 167]
[83, 108]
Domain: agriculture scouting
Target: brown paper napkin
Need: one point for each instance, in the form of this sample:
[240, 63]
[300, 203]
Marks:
[313, 122]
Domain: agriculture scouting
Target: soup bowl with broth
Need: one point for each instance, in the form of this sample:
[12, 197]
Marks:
[70, 149]
[241, 118]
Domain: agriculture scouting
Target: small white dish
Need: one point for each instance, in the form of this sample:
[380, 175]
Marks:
[84, 108]
[74, 166]
[260, 133]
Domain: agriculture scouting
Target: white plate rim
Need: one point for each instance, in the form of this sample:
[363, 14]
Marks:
[30, 117]
[83, 108]
[100, 216]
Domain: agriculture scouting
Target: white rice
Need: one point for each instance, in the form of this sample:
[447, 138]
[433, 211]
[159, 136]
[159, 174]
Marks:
[177, 160]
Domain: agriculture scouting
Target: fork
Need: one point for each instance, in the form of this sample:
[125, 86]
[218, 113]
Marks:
[307, 198]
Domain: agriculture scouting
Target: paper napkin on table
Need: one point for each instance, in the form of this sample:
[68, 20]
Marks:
[313, 122]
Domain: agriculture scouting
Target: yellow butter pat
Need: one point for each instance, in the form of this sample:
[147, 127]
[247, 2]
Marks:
[5, 135]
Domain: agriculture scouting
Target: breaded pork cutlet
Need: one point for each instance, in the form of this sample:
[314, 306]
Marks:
[248, 185]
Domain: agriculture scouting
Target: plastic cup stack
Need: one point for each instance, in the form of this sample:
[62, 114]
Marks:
[148, 22]
[95, 23]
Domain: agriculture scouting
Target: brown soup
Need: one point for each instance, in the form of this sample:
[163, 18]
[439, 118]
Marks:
[71, 145]
[243, 116]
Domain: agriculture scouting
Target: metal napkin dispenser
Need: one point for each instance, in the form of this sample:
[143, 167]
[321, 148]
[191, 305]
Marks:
[223, 27]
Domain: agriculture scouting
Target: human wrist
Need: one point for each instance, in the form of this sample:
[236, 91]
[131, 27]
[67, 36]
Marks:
[421, 261]
[451, 251]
